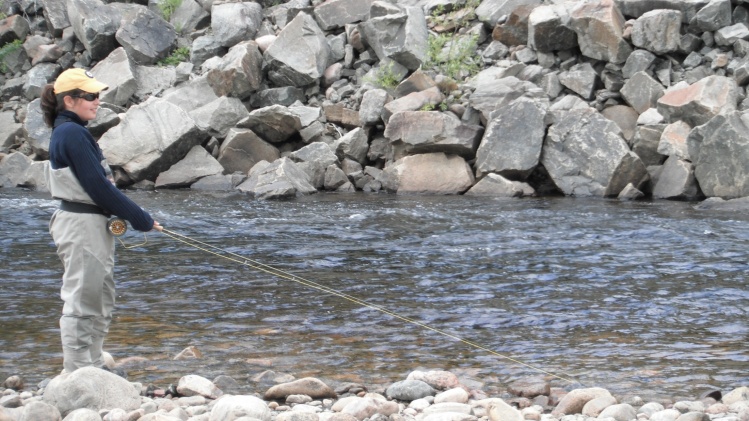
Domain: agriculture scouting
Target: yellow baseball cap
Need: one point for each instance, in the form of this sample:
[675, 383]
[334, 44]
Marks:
[78, 79]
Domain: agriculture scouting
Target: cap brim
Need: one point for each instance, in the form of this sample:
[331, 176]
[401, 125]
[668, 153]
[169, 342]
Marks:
[93, 86]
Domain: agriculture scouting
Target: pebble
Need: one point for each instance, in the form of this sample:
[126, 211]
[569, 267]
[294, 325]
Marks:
[357, 403]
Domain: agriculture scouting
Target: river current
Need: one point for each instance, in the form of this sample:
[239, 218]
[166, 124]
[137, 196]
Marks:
[643, 298]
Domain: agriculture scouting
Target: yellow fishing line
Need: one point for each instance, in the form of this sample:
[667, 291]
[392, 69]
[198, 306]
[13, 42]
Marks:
[224, 254]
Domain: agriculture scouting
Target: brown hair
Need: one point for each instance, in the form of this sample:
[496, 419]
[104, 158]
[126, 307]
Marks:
[50, 106]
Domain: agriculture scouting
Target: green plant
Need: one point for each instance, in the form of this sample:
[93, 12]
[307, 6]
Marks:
[454, 54]
[178, 56]
[168, 7]
[384, 77]
[7, 49]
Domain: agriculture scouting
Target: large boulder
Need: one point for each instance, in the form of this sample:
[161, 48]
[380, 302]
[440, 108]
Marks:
[118, 72]
[398, 33]
[152, 137]
[242, 149]
[238, 73]
[600, 30]
[220, 115]
[677, 181]
[95, 25]
[282, 179]
[433, 173]
[232, 22]
[334, 14]
[582, 153]
[548, 29]
[146, 36]
[274, 124]
[433, 131]
[658, 31]
[719, 151]
[299, 55]
[232, 407]
[91, 388]
[697, 103]
[198, 163]
[512, 143]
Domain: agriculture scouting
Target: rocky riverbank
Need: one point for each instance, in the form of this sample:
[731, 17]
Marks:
[609, 98]
[92, 394]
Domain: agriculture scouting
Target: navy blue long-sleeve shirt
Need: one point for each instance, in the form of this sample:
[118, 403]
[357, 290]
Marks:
[72, 145]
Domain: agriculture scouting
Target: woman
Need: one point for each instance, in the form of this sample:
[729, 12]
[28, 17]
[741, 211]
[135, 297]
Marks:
[79, 176]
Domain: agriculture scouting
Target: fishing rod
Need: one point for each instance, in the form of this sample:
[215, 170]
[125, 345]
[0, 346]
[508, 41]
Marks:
[117, 230]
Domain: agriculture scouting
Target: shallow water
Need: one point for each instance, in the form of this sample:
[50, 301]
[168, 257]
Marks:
[646, 298]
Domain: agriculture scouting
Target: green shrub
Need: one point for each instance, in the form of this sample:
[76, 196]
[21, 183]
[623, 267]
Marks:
[7, 49]
[384, 77]
[178, 56]
[454, 54]
[168, 7]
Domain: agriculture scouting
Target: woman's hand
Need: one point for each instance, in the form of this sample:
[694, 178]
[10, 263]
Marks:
[157, 226]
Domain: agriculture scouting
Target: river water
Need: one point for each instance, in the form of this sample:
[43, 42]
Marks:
[642, 298]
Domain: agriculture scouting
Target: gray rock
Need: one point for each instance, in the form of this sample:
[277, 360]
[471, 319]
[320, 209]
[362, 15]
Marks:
[432, 131]
[13, 169]
[642, 92]
[719, 151]
[285, 95]
[490, 11]
[699, 102]
[146, 37]
[238, 73]
[283, 179]
[658, 31]
[219, 115]
[673, 141]
[13, 27]
[299, 55]
[730, 34]
[9, 130]
[492, 94]
[574, 401]
[334, 178]
[630, 171]
[198, 163]
[204, 47]
[37, 77]
[630, 193]
[677, 182]
[189, 16]
[409, 390]
[511, 145]
[191, 95]
[153, 80]
[232, 23]
[625, 117]
[645, 143]
[95, 25]
[372, 106]
[599, 26]
[401, 36]
[337, 13]
[494, 185]
[194, 385]
[638, 61]
[412, 102]
[91, 388]
[274, 124]
[433, 173]
[316, 159]
[232, 407]
[38, 410]
[548, 30]
[36, 132]
[117, 71]
[715, 15]
[582, 152]
[83, 414]
[515, 28]
[152, 137]
[637, 8]
[619, 412]
[309, 386]
[353, 145]
[581, 79]
[242, 149]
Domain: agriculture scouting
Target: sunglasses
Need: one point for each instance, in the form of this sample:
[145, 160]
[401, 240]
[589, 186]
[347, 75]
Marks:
[87, 97]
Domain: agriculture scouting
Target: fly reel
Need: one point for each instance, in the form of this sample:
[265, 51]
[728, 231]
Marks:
[117, 226]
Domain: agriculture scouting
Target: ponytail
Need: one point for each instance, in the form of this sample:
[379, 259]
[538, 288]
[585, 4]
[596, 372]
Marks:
[50, 105]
